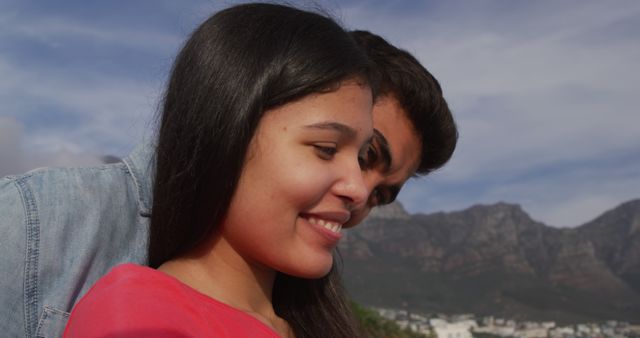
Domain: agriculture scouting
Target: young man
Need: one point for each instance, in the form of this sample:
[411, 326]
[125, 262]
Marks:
[65, 228]
[414, 131]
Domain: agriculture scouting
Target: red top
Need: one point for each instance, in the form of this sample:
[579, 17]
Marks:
[137, 301]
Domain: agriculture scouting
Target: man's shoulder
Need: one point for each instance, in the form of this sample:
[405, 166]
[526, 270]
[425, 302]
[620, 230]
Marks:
[53, 174]
[128, 181]
[53, 220]
[61, 185]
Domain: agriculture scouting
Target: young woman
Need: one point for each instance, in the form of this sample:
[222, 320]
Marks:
[258, 167]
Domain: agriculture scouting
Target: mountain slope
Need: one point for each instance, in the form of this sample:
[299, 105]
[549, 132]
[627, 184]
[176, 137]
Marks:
[495, 259]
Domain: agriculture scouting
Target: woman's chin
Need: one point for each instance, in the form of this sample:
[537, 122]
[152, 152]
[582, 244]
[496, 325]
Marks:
[309, 271]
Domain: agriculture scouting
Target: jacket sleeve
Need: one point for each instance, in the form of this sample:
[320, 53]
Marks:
[13, 257]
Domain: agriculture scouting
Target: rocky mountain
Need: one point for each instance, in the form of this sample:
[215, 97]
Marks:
[495, 259]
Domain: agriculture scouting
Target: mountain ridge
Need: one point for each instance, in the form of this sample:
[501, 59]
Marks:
[501, 258]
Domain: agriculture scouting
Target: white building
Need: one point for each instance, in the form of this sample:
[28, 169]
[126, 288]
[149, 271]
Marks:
[533, 332]
[548, 325]
[503, 331]
[444, 329]
[561, 332]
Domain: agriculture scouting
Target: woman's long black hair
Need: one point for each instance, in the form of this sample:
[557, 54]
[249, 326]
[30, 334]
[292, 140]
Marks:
[238, 64]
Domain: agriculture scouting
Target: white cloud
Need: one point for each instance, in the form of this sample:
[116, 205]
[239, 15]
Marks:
[536, 88]
[54, 31]
[567, 197]
[64, 116]
[114, 112]
[11, 159]
[17, 157]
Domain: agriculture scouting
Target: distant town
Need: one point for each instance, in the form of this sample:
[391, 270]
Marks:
[468, 326]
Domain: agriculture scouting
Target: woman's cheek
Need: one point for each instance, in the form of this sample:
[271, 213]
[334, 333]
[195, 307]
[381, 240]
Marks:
[310, 185]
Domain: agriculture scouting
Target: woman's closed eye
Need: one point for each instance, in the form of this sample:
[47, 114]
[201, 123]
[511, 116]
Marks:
[326, 151]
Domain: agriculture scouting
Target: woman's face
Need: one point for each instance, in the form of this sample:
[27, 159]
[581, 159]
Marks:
[300, 182]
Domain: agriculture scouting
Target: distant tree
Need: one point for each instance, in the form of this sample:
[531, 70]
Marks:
[375, 326]
[484, 335]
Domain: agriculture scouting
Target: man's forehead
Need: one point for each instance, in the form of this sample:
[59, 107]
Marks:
[397, 137]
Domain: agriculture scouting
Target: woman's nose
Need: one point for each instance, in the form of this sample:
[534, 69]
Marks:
[352, 187]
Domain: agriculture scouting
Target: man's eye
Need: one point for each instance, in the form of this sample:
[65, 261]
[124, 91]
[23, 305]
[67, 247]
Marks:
[368, 157]
[377, 197]
[381, 196]
[325, 151]
[362, 161]
[372, 153]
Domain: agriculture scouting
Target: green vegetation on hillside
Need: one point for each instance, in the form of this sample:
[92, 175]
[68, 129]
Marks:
[375, 326]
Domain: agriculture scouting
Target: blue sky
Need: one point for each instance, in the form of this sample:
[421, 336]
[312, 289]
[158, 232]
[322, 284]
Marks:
[544, 92]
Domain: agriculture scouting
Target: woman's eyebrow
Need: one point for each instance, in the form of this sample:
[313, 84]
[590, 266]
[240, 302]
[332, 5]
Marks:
[336, 126]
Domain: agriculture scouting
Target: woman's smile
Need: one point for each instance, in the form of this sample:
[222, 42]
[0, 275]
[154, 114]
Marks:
[328, 224]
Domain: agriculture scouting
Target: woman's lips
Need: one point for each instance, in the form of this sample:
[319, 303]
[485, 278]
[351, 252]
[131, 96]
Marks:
[328, 224]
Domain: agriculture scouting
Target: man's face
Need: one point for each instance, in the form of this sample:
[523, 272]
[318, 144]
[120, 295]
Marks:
[394, 155]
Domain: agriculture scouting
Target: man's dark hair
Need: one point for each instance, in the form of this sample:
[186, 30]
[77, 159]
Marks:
[419, 94]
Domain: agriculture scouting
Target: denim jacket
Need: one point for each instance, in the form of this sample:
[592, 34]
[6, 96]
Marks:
[64, 228]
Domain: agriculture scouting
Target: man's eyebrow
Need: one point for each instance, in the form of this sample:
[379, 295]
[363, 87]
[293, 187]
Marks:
[339, 127]
[385, 151]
